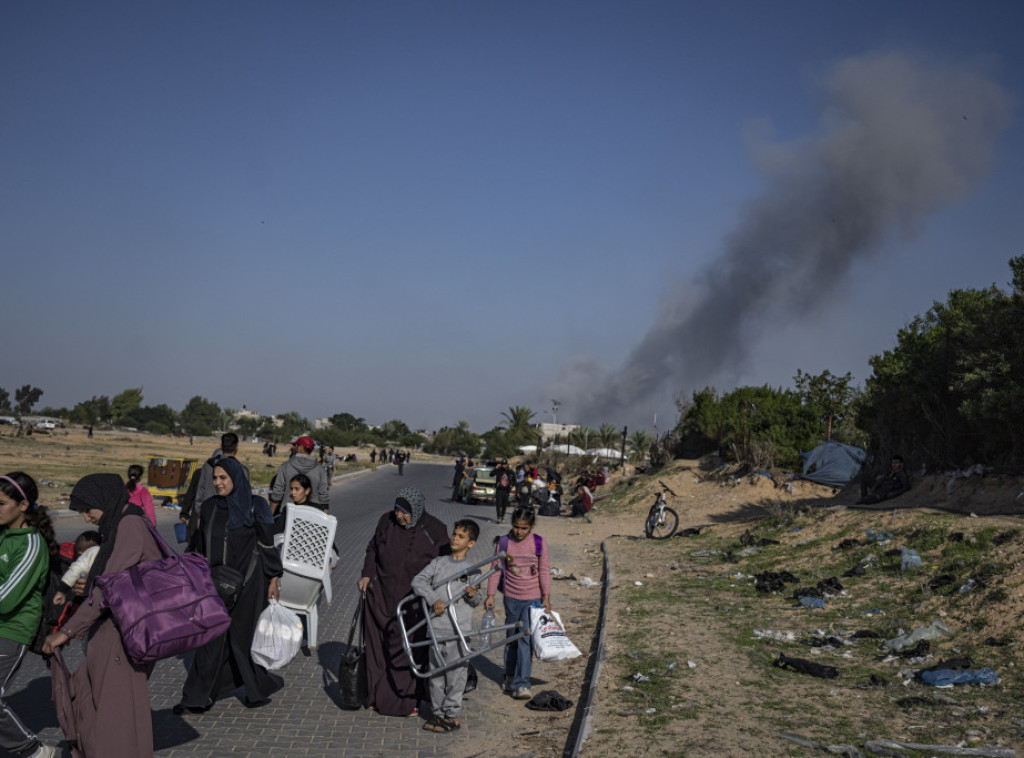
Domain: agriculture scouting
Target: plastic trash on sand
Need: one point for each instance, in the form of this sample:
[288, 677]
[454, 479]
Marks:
[933, 631]
[949, 677]
[909, 559]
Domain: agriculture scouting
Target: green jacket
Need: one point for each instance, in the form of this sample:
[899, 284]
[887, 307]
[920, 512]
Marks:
[24, 565]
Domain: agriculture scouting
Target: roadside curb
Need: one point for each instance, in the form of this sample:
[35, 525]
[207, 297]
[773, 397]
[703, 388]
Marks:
[581, 723]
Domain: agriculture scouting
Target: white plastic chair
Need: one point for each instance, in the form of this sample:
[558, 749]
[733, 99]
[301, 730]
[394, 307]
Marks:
[306, 555]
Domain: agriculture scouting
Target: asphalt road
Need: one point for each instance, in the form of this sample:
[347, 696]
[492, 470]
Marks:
[304, 718]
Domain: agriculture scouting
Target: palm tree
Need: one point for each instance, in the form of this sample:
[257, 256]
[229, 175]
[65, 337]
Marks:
[608, 435]
[582, 436]
[639, 442]
[518, 418]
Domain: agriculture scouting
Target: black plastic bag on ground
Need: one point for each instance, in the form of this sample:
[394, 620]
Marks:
[472, 680]
[549, 700]
[805, 667]
[352, 668]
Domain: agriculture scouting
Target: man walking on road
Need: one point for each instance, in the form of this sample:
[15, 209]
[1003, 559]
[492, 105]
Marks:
[504, 478]
[301, 462]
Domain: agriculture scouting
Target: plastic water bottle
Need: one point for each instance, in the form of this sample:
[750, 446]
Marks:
[487, 623]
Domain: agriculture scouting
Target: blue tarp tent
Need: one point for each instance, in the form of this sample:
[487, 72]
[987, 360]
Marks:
[832, 463]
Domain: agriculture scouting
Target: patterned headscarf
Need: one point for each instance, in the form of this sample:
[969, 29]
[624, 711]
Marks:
[105, 492]
[412, 502]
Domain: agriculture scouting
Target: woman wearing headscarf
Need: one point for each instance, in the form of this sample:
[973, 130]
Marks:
[111, 692]
[237, 529]
[407, 538]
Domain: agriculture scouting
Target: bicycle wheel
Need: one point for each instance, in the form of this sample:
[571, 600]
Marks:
[652, 521]
[662, 526]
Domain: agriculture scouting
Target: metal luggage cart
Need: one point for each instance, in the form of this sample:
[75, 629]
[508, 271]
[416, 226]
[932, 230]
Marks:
[467, 651]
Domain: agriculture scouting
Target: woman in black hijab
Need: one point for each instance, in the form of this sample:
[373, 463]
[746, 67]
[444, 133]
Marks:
[235, 528]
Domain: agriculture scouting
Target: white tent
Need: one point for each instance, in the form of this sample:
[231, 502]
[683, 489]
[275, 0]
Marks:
[605, 452]
[527, 449]
[567, 449]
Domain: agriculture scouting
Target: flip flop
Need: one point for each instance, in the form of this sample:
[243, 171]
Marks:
[437, 724]
[451, 723]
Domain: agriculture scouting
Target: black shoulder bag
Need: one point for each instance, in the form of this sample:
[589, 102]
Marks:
[352, 669]
[228, 580]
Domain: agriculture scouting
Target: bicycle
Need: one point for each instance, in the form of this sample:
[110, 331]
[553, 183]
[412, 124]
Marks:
[662, 521]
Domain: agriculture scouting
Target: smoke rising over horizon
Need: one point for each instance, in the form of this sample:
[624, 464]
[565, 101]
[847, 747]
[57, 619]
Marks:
[901, 137]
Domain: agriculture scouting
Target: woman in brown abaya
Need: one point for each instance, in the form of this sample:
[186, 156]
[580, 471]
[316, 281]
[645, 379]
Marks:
[405, 541]
[111, 692]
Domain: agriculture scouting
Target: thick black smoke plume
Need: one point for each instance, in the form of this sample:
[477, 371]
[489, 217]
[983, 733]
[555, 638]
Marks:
[901, 137]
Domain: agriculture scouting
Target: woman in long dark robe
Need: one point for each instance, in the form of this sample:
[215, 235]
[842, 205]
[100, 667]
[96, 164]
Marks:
[111, 692]
[405, 541]
[225, 664]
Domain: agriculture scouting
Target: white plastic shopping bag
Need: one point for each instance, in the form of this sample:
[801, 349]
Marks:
[278, 637]
[550, 642]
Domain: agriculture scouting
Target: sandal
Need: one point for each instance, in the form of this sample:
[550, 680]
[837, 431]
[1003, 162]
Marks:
[451, 723]
[437, 724]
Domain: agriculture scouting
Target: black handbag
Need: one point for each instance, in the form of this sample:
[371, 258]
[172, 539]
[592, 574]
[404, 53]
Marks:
[352, 668]
[227, 580]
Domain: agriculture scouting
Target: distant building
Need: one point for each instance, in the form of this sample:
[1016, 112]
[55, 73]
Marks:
[322, 423]
[548, 432]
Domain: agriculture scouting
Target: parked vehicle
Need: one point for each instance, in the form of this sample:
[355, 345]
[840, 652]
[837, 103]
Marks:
[481, 489]
[46, 424]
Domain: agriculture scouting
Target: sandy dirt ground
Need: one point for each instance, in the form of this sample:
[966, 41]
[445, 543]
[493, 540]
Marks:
[720, 695]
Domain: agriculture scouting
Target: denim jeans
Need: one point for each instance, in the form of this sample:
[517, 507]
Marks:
[519, 654]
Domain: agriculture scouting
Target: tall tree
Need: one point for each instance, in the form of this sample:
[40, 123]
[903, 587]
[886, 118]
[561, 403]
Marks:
[126, 403]
[583, 436]
[200, 416]
[830, 396]
[5, 401]
[25, 397]
[639, 442]
[518, 418]
[346, 422]
[608, 435]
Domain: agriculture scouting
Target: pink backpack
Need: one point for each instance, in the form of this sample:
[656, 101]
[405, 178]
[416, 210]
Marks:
[165, 607]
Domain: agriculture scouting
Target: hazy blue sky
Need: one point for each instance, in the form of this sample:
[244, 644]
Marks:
[434, 210]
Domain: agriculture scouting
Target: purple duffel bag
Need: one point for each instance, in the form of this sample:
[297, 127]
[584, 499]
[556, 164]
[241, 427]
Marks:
[165, 607]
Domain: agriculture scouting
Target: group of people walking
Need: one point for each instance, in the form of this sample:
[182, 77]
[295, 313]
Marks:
[111, 704]
[231, 527]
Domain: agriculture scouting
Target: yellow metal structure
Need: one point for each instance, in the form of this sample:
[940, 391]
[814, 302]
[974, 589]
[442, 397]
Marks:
[168, 478]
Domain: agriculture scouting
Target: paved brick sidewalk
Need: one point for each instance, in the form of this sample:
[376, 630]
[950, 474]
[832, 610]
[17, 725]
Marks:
[304, 718]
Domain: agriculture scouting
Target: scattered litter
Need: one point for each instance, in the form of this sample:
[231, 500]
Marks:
[564, 578]
[879, 536]
[747, 552]
[949, 677]
[968, 586]
[649, 576]
[794, 529]
[812, 602]
[638, 584]
[857, 570]
[771, 581]
[933, 631]
[638, 677]
[848, 543]
[691, 664]
[588, 582]
[805, 667]
[650, 711]
[774, 634]
[848, 750]
[878, 746]
[670, 666]
[555, 571]
[976, 470]
[909, 559]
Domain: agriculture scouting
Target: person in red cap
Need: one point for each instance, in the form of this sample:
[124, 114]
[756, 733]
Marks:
[301, 462]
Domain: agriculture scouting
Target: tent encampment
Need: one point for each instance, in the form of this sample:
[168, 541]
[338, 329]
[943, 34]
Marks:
[605, 452]
[832, 463]
[567, 449]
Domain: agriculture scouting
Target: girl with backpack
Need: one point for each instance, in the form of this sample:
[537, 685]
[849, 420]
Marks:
[27, 544]
[525, 582]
